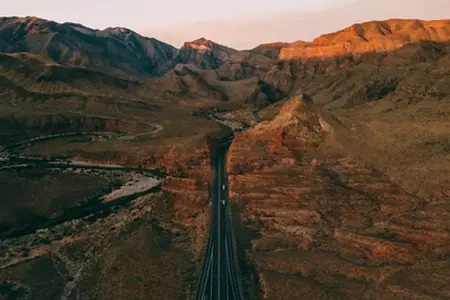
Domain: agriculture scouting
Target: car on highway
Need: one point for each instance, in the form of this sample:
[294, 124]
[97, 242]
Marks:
[224, 187]
[223, 201]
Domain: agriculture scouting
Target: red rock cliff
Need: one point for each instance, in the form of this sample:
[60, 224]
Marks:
[331, 228]
[369, 37]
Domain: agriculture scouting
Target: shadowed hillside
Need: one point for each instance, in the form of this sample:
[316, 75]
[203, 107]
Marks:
[117, 51]
[341, 192]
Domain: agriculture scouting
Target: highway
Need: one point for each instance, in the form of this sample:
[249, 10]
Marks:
[218, 280]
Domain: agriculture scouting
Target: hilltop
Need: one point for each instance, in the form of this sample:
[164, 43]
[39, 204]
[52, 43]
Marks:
[359, 39]
[117, 51]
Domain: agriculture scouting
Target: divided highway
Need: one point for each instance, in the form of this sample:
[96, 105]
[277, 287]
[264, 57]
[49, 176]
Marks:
[218, 280]
[257, 116]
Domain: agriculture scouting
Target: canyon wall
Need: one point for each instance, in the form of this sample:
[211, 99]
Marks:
[383, 36]
[329, 228]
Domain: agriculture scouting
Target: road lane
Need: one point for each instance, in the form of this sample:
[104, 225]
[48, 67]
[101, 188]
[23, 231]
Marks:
[219, 231]
[218, 271]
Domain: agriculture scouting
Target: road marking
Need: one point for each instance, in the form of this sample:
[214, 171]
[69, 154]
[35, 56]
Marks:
[208, 273]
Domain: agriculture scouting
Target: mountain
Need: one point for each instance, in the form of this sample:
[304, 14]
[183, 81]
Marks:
[272, 50]
[359, 39]
[116, 51]
[39, 74]
[73, 53]
[204, 54]
[410, 74]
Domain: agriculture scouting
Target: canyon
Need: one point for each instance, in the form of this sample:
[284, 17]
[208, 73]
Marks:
[341, 192]
[328, 226]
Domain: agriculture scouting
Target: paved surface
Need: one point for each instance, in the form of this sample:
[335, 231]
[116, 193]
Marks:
[218, 279]
[257, 116]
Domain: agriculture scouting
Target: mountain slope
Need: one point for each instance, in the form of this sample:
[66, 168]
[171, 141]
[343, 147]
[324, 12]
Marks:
[347, 68]
[204, 54]
[413, 73]
[348, 205]
[375, 36]
[116, 51]
[39, 74]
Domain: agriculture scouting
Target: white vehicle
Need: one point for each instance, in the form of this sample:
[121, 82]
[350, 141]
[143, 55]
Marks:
[223, 187]
[223, 201]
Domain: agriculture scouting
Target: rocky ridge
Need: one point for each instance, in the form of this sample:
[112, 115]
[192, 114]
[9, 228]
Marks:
[207, 70]
[204, 54]
[359, 39]
[115, 51]
[329, 228]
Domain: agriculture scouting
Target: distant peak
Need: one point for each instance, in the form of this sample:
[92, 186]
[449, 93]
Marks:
[32, 19]
[205, 44]
[119, 30]
[200, 44]
[28, 19]
[201, 40]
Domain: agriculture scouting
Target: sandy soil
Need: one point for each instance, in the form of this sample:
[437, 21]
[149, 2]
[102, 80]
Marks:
[138, 183]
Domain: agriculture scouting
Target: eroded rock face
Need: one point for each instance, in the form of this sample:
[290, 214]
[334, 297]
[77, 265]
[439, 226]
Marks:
[186, 187]
[358, 39]
[330, 228]
[203, 53]
[274, 142]
[160, 234]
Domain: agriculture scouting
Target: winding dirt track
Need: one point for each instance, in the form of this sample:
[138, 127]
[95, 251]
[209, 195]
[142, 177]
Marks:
[158, 128]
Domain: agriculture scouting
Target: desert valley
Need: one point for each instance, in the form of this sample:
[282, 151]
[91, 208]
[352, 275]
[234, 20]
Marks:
[340, 190]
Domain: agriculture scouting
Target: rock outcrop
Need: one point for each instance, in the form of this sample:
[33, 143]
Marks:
[360, 39]
[329, 227]
[203, 53]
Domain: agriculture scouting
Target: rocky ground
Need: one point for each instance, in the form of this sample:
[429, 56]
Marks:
[114, 256]
[312, 217]
[341, 195]
[312, 227]
[145, 246]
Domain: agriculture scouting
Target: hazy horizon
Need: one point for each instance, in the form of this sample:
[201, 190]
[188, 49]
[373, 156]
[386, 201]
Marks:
[239, 25]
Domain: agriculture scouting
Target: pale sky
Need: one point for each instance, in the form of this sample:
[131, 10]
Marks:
[241, 24]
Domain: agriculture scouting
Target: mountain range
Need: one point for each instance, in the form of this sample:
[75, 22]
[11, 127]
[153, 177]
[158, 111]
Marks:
[341, 192]
[123, 52]
[73, 55]
[65, 57]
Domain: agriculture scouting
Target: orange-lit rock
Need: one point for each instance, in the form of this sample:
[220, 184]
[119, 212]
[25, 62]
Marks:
[368, 37]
